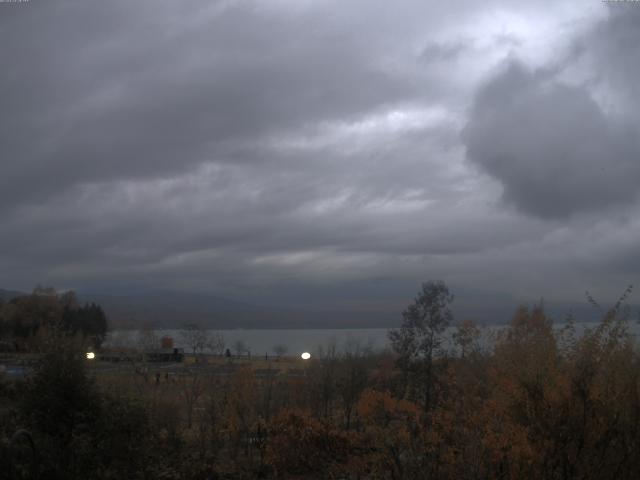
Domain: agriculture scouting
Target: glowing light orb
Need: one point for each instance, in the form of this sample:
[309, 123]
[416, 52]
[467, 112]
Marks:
[306, 356]
[91, 355]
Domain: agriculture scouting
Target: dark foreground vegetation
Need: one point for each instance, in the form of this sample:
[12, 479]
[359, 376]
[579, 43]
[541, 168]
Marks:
[540, 403]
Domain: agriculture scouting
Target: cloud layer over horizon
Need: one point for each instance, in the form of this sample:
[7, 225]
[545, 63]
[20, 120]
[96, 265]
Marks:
[300, 152]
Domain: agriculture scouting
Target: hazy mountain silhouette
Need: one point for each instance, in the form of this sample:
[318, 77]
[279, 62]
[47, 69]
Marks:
[7, 295]
[170, 309]
[173, 309]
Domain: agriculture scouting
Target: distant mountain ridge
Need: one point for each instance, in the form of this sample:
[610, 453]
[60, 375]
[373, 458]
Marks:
[7, 295]
[173, 309]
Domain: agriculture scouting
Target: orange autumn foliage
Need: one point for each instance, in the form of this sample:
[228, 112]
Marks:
[301, 446]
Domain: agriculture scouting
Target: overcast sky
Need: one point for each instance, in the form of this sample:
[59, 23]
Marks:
[336, 152]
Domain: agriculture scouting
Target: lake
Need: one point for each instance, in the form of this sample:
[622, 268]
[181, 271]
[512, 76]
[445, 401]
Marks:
[296, 341]
[259, 342]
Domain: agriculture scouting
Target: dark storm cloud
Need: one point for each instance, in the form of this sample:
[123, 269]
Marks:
[552, 146]
[97, 92]
[554, 150]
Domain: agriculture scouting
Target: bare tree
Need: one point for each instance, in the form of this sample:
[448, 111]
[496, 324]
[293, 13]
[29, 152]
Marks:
[148, 338]
[216, 343]
[196, 337]
[280, 350]
[324, 375]
[240, 347]
[352, 376]
[192, 387]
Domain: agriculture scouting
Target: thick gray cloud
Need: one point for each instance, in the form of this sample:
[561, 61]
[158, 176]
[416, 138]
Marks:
[552, 147]
[563, 137]
[290, 151]
[138, 97]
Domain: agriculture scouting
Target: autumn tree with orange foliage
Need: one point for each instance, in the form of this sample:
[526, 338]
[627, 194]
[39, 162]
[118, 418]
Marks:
[303, 447]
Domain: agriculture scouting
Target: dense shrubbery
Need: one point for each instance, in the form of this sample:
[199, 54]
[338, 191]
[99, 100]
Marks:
[25, 320]
[78, 430]
[540, 403]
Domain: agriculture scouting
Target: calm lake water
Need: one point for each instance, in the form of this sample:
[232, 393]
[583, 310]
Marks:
[259, 342]
[296, 341]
